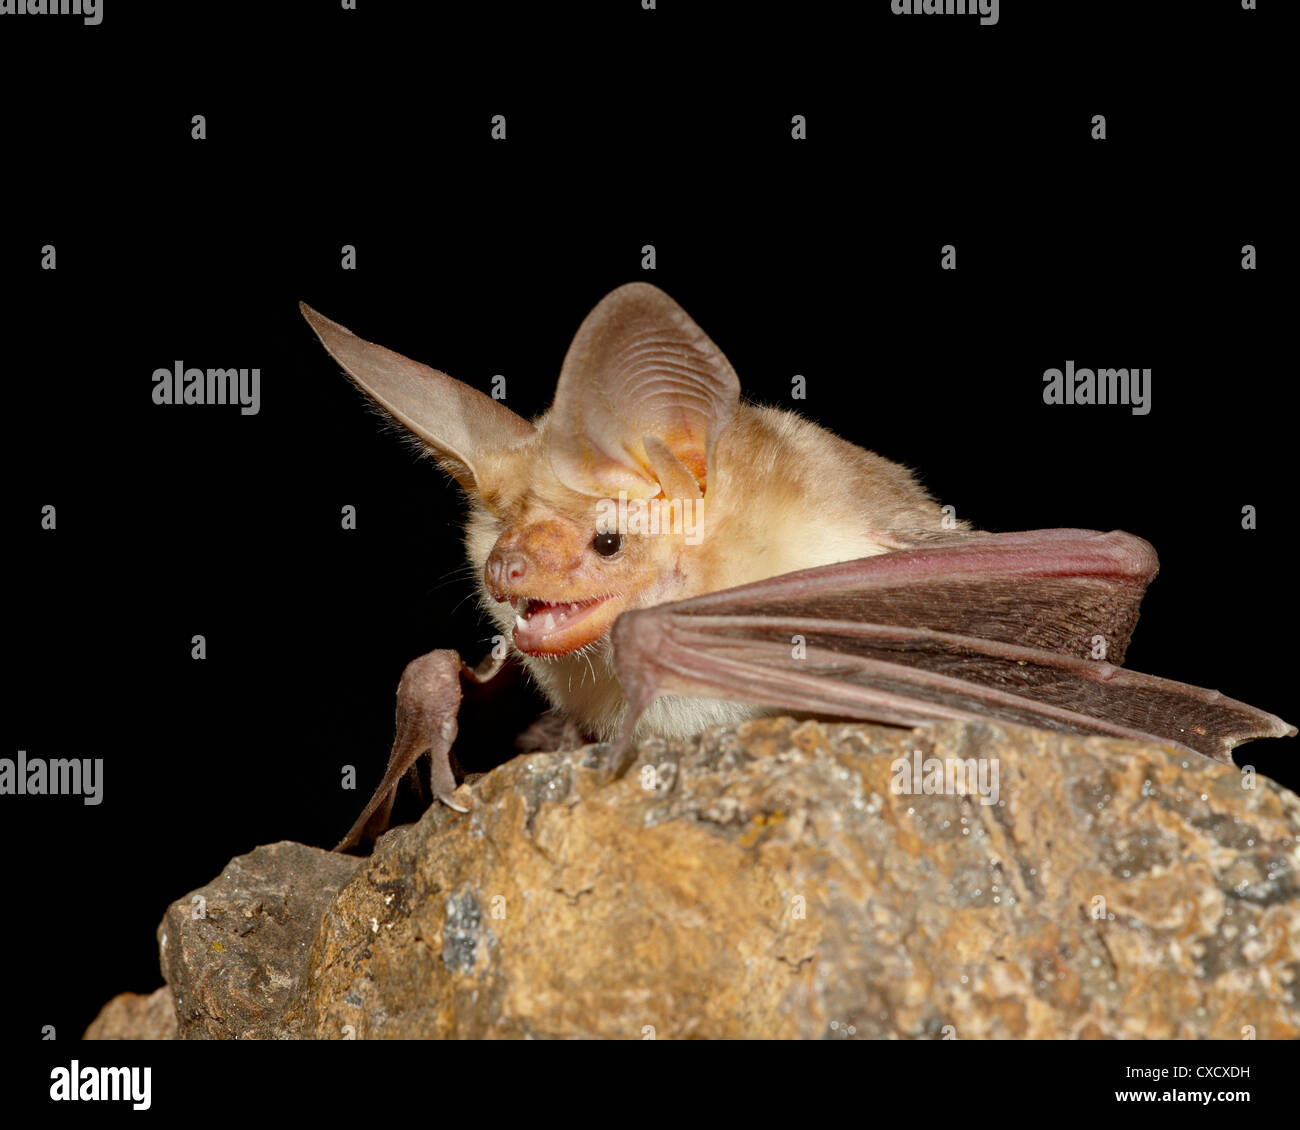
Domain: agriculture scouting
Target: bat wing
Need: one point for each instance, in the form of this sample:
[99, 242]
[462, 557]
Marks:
[950, 626]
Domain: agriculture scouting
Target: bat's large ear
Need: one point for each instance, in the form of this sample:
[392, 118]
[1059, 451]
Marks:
[460, 423]
[642, 399]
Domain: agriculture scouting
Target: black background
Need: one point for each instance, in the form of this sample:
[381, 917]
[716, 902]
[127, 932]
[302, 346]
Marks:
[625, 127]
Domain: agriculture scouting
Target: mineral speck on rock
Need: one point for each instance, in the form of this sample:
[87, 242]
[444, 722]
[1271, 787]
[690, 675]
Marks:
[460, 935]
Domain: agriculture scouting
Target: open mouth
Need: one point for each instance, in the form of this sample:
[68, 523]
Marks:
[556, 628]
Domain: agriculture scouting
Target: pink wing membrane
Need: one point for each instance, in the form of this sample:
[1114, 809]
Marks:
[969, 626]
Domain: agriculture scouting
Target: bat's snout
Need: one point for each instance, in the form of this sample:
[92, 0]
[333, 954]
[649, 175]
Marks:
[505, 572]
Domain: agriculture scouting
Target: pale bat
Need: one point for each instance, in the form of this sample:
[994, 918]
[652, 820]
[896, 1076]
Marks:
[757, 563]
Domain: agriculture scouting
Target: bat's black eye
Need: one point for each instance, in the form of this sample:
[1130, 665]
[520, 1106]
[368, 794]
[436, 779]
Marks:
[607, 544]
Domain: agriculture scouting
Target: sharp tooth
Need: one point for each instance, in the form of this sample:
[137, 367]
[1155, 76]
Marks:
[550, 622]
[520, 622]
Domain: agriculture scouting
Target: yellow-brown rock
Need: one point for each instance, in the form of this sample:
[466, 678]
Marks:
[769, 882]
[136, 1016]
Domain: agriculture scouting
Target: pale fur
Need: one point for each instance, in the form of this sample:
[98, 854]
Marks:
[784, 494]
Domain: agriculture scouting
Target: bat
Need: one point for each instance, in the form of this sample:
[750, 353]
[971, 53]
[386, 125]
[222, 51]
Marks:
[661, 556]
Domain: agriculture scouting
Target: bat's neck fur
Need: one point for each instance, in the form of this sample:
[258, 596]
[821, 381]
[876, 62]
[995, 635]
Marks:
[787, 494]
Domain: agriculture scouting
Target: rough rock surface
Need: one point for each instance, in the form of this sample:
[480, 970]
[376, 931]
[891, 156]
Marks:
[234, 951]
[769, 882]
[134, 1016]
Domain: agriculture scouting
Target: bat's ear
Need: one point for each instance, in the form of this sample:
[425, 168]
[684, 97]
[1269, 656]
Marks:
[642, 399]
[460, 423]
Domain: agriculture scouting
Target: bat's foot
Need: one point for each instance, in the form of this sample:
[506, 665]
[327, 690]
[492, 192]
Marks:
[623, 751]
[428, 706]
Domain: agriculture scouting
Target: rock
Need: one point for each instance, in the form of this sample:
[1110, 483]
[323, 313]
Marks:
[134, 1016]
[233, 952]
[766, 882]
[769, 882]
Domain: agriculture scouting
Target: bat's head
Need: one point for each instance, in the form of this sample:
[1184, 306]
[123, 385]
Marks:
[598, 505]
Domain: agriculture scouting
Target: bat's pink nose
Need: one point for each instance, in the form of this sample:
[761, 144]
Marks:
[506, 569]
